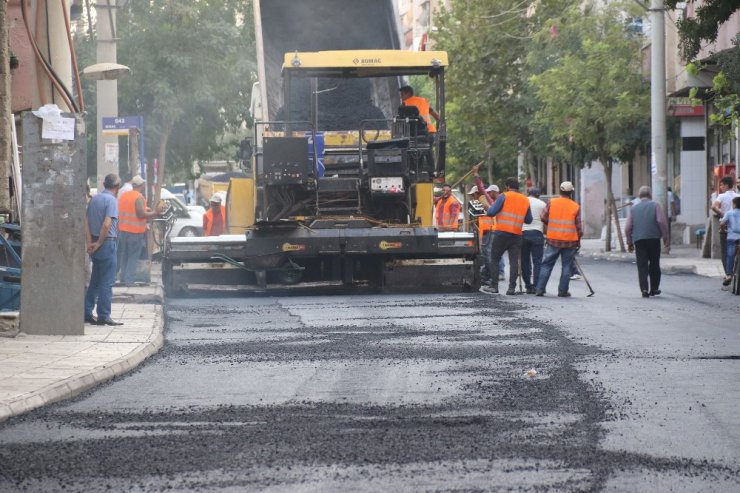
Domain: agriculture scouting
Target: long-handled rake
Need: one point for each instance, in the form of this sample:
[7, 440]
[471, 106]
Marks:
[583, 274]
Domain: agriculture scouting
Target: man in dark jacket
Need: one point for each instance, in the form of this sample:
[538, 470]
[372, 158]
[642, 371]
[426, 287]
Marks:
[646, 225]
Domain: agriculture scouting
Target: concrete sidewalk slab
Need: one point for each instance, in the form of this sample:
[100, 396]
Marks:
[38, 370]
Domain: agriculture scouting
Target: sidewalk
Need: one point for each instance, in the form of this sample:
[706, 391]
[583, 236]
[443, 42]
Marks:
[38, 370]
[683, 259]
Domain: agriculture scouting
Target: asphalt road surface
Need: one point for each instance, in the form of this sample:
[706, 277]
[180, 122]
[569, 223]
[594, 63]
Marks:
[412, 393]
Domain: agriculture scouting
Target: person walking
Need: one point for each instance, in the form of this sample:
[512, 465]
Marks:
[562, 216]
[447, 210]
[721, 206]
[533, 242]
[512, 211]
[214, 221]
[644, 229]
[101, 230]
[133, 215]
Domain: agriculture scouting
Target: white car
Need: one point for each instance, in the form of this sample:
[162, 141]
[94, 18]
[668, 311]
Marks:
[188, 219]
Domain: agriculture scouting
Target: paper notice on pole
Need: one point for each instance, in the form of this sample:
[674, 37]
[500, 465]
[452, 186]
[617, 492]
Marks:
[58, 128]
[653, 165]
[111, 152]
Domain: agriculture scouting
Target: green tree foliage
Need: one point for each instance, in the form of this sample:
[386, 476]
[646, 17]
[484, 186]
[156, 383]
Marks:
[704, 26]
[593, 95]
[191, 65]
[490, 103]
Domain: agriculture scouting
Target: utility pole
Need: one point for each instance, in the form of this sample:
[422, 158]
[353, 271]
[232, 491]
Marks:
[658, 165]
[106, 90]
[5, 107]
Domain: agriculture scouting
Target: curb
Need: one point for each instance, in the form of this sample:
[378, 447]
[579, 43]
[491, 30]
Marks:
[77, 384]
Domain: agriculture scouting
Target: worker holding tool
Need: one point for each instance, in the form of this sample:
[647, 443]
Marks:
[512, 211]
[133, 215]
[562, 216]
[488, 196]
[533, 242]
[646, 225]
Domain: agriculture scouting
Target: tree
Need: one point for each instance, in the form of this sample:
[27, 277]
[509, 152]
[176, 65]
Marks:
[593, 94]
[489, 105]
[704, 26]
[191, 68]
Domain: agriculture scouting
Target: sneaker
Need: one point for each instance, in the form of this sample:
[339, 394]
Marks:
[727, 281]
[575, 277]
[530, 290]
[564, 294]
[655, 292]
[502, 277]
[511, 291]
[488, 289]
[645, 294]
[539, 293]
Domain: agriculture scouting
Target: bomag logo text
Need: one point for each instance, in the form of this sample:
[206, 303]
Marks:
[367, 61]
[289, 247]
[387, 245]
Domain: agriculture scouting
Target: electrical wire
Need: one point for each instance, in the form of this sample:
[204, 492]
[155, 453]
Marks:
[73, 55]
[53, 77]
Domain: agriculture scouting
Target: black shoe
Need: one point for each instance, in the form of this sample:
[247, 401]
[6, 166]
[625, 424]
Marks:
[91, 320]
[109, 321]
[530, 291]
[539, 293]
[645, 294]
[564, 294]
[511, 291]
[655, 292]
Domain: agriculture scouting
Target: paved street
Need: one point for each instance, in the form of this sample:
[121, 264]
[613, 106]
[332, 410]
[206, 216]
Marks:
[412, 393]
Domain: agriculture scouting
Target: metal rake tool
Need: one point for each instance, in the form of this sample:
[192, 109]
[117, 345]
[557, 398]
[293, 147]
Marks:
[583, 274]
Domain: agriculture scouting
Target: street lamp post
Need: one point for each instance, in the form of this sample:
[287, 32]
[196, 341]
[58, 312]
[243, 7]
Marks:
[658, 164]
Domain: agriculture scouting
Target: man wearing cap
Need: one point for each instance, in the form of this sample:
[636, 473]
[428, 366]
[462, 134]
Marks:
[562, 216]
[101, 231]
[646, 225]
[447, 210]
[533, 242]
[512, 211]
[133, 215]
[214, 221]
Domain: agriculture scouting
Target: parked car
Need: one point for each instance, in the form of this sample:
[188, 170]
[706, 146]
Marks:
[188, 219]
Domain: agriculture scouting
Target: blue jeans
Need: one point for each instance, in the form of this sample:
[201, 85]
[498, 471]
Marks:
[100, 290]
[548, 262]
[485, 269]
[533, 245]
[730, 256]
[130, 247]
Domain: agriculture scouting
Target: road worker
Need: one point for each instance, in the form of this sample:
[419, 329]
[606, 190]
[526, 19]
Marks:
[214, 221]
[132, 217]
[426, 112]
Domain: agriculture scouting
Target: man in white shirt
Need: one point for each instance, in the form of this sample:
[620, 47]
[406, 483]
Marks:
[533, 242]
[722, 206]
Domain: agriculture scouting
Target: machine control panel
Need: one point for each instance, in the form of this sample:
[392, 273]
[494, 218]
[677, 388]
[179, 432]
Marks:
[388, 185]
[286, 161]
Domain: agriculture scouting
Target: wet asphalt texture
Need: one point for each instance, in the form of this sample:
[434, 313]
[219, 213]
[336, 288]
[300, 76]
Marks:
[372, 393]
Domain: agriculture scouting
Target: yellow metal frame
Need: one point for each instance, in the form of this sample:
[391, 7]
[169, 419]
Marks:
[363, 63]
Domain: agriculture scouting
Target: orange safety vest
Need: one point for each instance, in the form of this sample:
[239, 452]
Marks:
[423, 106]
[213, 226]
[127, 220]
[486, 224]
[446, 218]
[561, 224]
[511, 216]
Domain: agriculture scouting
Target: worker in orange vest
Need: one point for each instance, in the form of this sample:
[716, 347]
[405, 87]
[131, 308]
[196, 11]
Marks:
[512, 211]
[562, 216]
[132, 217]
[214, 221]
[426, 112]
[447, 210]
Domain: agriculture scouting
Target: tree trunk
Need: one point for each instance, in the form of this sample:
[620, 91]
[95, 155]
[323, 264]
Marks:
[5, 111]
[609, 199]
[163, 140]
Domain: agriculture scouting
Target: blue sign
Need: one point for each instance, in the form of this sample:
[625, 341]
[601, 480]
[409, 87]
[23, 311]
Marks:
[120, 125]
